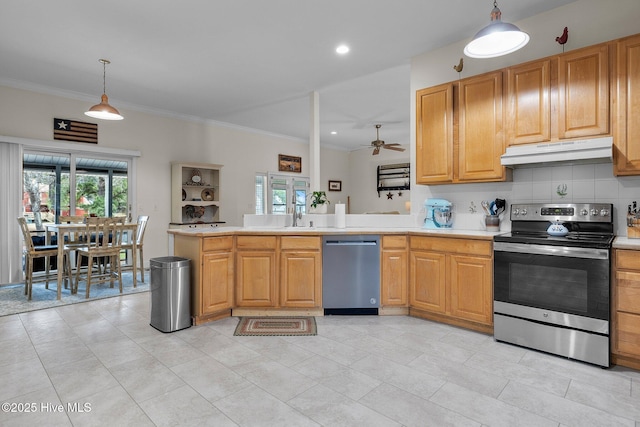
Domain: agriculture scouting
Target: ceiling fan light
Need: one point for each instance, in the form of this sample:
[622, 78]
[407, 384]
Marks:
[496, 39]
[104, 110]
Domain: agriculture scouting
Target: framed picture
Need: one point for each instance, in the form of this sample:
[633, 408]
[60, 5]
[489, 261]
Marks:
[335, 185]
[289, 163]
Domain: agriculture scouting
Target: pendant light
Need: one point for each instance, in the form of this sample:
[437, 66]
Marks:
[496, 39]
[104, 110]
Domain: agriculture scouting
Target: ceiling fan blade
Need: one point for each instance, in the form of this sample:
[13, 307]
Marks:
[393, 148]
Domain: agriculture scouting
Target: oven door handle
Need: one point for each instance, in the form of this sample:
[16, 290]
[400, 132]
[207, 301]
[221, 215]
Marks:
[566, 251]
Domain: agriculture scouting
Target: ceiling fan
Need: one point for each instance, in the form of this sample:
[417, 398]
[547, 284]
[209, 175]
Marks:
[379, 143]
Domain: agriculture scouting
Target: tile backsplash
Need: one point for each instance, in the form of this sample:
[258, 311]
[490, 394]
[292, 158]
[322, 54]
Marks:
[558, 184]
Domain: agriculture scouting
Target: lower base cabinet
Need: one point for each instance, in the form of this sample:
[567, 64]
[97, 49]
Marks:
[300, 272]
[256, 271]
[394, 277]
[626, 309]
[450, 280]
[212, 275]
[279, 272]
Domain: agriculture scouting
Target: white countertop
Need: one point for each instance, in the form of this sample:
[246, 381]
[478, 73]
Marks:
[332, 230]
[626, 243]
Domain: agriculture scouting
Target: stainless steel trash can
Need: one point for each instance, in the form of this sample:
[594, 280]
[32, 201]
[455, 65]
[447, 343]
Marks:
[170, 293]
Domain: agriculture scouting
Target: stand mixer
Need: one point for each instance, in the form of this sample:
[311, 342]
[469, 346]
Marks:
[439, 214]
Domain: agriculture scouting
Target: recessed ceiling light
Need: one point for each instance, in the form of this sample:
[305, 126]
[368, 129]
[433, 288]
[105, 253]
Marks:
[333, 132]
[342, 49]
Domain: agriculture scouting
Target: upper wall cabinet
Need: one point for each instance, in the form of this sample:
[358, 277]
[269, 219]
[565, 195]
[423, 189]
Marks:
[434, 134]
[626, 117]
[562, 97]
[529, 103]
[583, 92]
[480, 135]
[459, 135]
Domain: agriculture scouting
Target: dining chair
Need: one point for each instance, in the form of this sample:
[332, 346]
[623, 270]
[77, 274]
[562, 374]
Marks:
[32, 252]
[78, 238]
[103, 245]
[142, 225]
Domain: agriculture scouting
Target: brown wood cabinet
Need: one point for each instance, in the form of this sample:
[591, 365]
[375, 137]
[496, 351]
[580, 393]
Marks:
[212, 275]
[256, 280]
[560, 97]
[583, 92]
[626, 308]
[529, 103]
[450, 280]
[459, 133]
[394, 271]
[301, 272]
[626, 119]
[481, 137]
[434, 134]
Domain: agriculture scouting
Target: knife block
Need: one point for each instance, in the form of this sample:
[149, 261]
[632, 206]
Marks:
[633, 228]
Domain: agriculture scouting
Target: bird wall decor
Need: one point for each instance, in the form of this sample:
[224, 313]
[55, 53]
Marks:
[563, 38]
[460, 66]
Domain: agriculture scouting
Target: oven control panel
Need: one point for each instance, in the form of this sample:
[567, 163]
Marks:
[585, 212]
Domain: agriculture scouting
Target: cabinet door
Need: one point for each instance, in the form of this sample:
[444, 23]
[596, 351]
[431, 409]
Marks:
[217, 282]
[626, 120]
[583, 92]
[481, 137]
[529, 103]
[471, 288]
[394, 278]
[256, 274]
[427, 273]
[627, 336]
[434, 134]
[301, 279]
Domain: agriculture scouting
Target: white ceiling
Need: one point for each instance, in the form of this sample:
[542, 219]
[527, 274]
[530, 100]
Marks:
[250, 63]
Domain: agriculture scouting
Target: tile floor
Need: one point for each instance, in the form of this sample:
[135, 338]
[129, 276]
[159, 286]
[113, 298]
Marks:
[99, 363]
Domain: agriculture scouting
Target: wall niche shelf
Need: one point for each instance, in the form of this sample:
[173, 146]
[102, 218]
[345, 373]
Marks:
[394, 177]
[195, 193]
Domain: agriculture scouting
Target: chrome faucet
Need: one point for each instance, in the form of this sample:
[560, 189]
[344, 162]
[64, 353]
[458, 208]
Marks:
[296, 215]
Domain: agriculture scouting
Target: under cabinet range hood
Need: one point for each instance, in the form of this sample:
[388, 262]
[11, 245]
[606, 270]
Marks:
[595, 150]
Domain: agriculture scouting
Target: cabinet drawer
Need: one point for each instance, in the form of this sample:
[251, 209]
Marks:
[394, 242]
[255, 242]
[300, 242]
[628, 259]
[628, 291]
[452, 245]
[217, 243]
[628, 333]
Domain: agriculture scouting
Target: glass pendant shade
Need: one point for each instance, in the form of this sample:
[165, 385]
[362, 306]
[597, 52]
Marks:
[496, 39]
[103, 110]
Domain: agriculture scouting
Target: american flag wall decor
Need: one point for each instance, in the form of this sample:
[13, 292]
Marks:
[73, 130]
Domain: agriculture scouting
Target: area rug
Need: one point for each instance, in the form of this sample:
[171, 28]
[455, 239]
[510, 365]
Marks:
[276, 326]
[14, 301]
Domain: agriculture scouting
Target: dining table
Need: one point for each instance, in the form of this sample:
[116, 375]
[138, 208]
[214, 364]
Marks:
[63, 230]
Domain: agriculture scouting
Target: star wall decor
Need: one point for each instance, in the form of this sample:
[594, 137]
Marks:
[389, 195]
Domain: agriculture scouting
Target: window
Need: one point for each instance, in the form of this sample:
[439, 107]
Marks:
[62, 184]
[275, 193]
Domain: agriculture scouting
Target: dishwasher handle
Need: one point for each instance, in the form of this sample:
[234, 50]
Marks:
[351, 243]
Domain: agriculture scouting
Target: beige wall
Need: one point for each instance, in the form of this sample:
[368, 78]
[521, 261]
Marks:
[160, 139]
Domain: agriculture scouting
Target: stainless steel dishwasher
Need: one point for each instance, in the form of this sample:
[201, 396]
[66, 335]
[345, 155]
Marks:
[351, 274]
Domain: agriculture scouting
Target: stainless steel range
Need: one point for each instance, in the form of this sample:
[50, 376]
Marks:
[551, 280]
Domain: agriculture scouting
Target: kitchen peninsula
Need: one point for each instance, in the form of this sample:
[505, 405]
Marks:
[442, 275]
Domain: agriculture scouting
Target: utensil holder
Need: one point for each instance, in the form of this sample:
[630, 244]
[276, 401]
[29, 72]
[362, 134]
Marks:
[492, 222]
